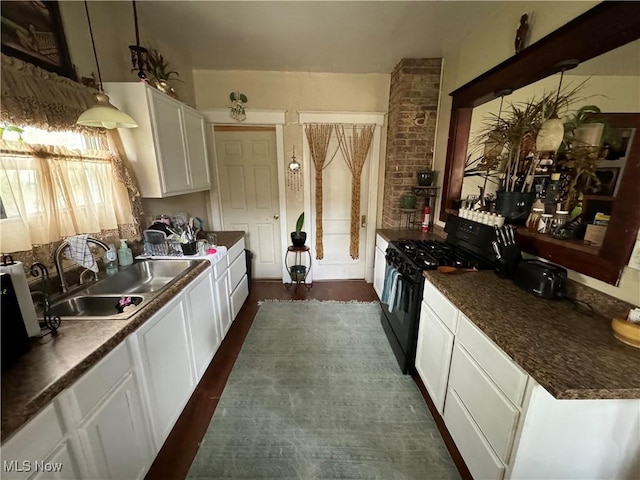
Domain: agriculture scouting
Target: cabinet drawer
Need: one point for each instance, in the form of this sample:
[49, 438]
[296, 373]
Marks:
[442, 307]
[476, 452]
[494, 414]
[221, 267]
[509, 377]
[237, 270]
[94, 385]
[238, 297]
[236, 250]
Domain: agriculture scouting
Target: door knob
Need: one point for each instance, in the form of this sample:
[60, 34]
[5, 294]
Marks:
[276, 216]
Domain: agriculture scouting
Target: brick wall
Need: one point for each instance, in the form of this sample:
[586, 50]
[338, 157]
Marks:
[413, 104]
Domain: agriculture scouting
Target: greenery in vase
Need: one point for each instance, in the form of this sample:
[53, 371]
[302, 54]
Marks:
[299, 223]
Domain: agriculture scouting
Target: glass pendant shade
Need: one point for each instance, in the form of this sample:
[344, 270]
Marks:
[105, 115]
[550, 135]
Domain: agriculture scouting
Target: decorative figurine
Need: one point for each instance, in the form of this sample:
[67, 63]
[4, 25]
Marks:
[521, 33]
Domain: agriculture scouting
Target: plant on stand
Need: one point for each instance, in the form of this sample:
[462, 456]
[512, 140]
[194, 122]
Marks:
[298, 238]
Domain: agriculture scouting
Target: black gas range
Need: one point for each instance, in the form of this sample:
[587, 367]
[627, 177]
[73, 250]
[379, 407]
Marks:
[468, 245]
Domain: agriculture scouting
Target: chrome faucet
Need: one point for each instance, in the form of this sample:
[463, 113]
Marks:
[57, 259]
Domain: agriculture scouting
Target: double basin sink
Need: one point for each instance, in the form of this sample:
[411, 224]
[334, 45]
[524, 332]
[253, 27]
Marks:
[121, 295]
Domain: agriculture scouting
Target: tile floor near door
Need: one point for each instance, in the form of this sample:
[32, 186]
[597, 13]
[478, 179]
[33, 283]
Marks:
[175, 457]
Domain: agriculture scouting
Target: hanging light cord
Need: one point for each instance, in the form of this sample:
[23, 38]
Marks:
[93, 44]
[141, 73]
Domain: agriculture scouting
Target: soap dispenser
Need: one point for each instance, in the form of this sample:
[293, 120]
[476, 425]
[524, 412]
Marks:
[111, 260]
[125, 257]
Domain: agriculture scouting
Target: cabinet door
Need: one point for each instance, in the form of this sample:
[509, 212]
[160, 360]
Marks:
[433, 355]
[166, 362]
[194, 134]
[170, 149]
[222, 303]
[40, 450]
[203, 322]
[238, 296]
[116, 436]
[379, 269]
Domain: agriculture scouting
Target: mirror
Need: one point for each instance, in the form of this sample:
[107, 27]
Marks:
[608, 27]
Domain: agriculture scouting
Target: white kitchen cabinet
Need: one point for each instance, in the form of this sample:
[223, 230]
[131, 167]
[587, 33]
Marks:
[41, 449]
[380, 265]
[231, 285]
[167, 151]
[106, 406]
[433, 355]
[203, 324]
[223, 307]
[118, 445]
[165, 361]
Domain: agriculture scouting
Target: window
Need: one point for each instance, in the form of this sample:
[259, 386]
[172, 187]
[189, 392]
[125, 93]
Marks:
[56, 184]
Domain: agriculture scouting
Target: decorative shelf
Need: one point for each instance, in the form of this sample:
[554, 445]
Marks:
[420, 190]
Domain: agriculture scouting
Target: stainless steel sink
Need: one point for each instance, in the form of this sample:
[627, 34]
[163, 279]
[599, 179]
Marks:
[142, 281]
[144, 277]
[88, 307]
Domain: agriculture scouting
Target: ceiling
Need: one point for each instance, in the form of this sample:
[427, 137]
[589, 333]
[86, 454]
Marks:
[331, 36]
[314, 36]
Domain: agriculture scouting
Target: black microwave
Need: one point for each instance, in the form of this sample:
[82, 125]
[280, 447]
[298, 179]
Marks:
[15, 340]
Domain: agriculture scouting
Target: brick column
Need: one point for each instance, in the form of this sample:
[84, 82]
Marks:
[413, 105]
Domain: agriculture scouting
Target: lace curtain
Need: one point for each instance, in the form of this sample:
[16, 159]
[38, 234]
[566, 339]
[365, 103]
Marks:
[51, 192]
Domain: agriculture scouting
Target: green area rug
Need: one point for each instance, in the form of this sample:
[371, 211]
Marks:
[316, 392]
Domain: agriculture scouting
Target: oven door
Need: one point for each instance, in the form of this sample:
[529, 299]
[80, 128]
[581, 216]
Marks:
[401, 325]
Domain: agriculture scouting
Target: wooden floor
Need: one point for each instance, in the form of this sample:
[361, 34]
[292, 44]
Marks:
[179, 450]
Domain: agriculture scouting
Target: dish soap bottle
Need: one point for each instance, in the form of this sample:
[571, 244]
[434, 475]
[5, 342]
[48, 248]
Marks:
[125, 257]
[111, 260]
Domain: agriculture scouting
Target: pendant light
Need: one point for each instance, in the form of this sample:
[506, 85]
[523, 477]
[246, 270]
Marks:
[103, 114]
[551, 132]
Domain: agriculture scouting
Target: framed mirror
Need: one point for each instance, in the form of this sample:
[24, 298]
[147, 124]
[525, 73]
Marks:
[604, 28]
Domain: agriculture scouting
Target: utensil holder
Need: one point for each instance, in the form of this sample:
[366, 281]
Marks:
[189, 248]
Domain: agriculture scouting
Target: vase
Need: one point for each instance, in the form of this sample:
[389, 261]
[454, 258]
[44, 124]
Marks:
[298, 238]
[408, 201]
[425, 177]
[514, 206]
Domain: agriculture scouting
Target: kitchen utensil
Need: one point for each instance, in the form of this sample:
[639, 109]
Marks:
[496, 249]
[447, 269]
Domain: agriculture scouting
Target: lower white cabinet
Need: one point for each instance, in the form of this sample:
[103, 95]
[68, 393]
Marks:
[42, 449]
[204, 327]
[380, 265]
[223, 308]
[433, 355]
[231, 285]
[165, 365]
[506, 425]
[115, 435]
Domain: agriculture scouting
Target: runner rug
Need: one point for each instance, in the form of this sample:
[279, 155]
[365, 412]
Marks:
[316, 392]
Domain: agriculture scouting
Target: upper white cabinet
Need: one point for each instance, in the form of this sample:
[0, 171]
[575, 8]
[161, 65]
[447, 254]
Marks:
[167, 151]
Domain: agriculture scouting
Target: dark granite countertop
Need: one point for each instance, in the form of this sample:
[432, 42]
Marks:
[569, 353]
[55, 363]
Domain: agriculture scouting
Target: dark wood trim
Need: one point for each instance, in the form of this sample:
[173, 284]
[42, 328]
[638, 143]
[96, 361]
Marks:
[607, 26]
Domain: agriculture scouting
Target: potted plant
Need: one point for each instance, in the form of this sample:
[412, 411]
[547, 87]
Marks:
[298, 238]
[159, 70]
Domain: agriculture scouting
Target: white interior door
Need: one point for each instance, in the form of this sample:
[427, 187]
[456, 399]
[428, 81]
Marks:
[336, 219]
[247, 165]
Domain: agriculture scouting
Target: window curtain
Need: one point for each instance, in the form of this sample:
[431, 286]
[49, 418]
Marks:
[68, 191]
[318, 136]
[49, 193]
[355, 150]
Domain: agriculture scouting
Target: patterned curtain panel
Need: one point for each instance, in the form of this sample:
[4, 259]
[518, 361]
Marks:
[32, 96]
[355, 150]
[318, 136]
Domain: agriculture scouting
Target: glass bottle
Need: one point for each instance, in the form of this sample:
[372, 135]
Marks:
[544, 226]
[559, 219]
[534, 219]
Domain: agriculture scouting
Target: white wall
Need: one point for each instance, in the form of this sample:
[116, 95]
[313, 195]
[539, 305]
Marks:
[113, 32]
[294, 92]
[489, 44]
